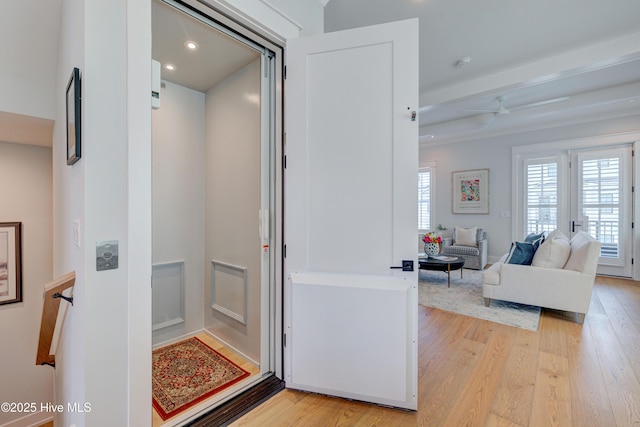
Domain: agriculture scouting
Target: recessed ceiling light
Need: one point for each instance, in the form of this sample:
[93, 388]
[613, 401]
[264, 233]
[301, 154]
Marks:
[191, 45]
[170, 67]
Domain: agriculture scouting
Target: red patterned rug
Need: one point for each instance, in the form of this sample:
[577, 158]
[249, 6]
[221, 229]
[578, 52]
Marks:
[188, 372]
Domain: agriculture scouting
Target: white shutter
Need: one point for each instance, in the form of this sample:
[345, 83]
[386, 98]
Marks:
[424, 198]
[601, 187]
[541, 195]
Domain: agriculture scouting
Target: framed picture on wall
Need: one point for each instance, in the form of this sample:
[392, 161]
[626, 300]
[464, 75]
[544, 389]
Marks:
[73, 118]
[470, 192]
[10, 262]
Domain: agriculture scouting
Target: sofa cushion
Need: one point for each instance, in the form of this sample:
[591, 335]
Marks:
[521, 253]
[557, 234]
[465, 236]
[535, 239]
[579, 252]
[552, 253]
[462, 250]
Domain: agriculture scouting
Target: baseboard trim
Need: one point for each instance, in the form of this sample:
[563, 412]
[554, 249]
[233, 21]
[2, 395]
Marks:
[233, 409]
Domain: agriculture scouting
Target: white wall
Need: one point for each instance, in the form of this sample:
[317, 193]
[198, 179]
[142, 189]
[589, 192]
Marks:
[178, 197]
[27, 197]
[495, 154]
[232, 202]
[27, 73]
[103, 357]
[68, 190]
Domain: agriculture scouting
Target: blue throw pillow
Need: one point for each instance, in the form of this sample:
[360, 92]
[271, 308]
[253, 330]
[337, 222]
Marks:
[521, 253]
[535, 239]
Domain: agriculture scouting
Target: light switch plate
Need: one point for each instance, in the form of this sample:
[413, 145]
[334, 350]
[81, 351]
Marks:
[106, 255]
[76, 232]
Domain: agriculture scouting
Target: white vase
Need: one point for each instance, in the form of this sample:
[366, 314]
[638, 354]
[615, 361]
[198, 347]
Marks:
[431, 248]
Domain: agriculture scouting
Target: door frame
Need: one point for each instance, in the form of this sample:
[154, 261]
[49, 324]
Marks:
[268, 221]
[621, 266]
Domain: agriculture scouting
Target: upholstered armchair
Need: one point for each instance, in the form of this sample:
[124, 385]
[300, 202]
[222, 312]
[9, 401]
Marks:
[468, 243]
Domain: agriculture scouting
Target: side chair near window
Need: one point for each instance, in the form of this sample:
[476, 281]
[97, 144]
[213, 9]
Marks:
[468, 243]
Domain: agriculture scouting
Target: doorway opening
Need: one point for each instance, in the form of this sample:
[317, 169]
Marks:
[215, 198]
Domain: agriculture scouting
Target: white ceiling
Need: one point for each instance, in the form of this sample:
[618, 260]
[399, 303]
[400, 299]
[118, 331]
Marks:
[217, 57]
[526, 51]
[496, 34]
[28, 53]
[523, 50]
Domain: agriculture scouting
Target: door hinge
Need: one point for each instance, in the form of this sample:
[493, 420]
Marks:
[284, 340]
[285, 72]
[631, 261]
[284, 162]
[284, 251]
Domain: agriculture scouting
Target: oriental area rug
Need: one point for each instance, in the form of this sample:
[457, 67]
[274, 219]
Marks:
[188, 372]
[465, 297]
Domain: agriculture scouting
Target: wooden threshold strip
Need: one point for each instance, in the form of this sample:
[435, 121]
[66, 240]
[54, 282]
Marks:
[233, 409]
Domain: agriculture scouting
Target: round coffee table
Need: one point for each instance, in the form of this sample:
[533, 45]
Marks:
[445, 263]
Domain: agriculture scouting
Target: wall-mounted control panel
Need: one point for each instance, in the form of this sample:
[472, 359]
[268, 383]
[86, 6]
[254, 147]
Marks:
[107, 255]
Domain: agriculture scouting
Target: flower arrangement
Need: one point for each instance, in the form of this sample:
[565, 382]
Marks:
[432, 243]
[432, 237]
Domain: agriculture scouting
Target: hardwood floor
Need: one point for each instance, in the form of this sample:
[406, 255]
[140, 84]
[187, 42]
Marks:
[477, 373]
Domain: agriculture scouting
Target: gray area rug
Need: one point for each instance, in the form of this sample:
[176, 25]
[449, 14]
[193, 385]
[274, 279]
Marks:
[465, 297]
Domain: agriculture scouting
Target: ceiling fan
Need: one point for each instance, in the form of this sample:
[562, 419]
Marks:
[503, 110]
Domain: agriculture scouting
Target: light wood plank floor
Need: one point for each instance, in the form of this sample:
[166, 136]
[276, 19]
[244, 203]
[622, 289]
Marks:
[226, 352]
[477, 373]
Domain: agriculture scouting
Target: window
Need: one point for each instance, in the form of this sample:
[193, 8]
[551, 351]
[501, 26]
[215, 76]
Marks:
[541, 199]
[425, 192]
[601, 201]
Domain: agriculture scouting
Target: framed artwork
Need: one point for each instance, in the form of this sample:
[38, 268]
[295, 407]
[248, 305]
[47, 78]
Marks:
[73, 118]
[10, 262]
[470, 192]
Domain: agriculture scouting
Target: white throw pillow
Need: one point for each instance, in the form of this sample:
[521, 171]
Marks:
[557, 234]
[466, 236]
[552, 253]
[579, 252]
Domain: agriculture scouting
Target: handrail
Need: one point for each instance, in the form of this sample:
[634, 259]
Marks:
[52, 295]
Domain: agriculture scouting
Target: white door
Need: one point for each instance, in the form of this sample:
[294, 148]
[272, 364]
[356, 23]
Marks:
[351, 214]
[602, 204]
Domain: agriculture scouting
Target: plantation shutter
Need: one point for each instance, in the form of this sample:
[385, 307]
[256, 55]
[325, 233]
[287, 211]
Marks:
[601, 202]
[424, 198]
[541, 195]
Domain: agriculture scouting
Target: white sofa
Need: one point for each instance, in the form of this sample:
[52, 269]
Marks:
[550, 281]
